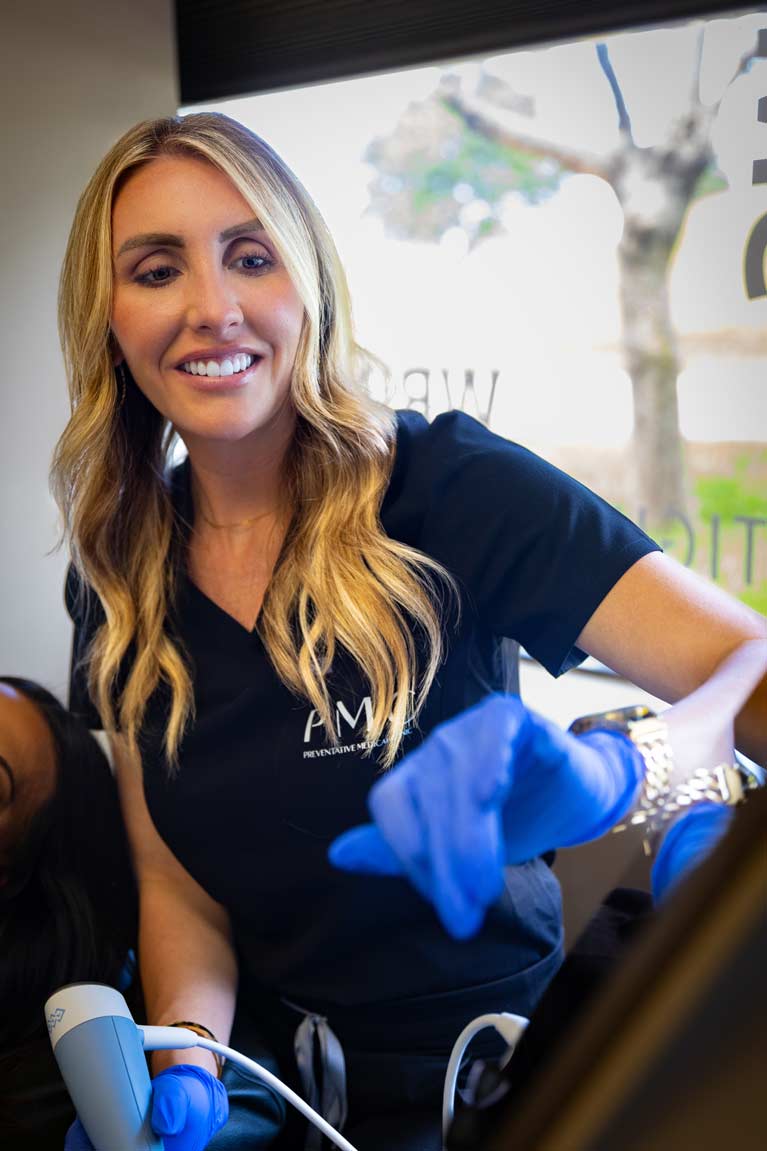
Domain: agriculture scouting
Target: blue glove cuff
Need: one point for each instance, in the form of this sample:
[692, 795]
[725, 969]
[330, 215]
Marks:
[615, 780]
[686, 844]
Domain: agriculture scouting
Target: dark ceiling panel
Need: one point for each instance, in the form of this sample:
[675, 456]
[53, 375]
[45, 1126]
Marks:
[232, 48]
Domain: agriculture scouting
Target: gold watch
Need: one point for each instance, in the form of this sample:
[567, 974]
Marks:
[661, 797]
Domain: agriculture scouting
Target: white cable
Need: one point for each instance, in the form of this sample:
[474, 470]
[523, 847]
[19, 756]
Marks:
[168, 1038]
[509, 1026]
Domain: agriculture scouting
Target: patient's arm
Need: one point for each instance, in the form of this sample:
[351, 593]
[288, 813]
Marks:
[186, 958]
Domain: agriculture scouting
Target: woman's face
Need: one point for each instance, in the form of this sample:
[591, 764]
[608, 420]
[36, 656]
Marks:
[27, 773]
[204, 313]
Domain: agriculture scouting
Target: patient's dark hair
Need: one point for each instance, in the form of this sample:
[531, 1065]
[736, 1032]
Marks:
[67, 915]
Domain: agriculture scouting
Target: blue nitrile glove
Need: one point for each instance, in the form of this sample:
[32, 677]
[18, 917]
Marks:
[76, 1139]
[189, 1105]
[497, 785]
[687, 843]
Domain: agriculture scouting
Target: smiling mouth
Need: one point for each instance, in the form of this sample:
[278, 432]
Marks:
[230, 368]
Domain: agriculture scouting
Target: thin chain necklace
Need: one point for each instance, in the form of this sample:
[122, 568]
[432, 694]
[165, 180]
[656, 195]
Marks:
[236, 524]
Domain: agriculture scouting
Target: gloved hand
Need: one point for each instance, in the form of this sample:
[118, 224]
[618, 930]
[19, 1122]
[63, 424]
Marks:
[189, 1105]
[76, 1139]
[496, 785]
[687, 843]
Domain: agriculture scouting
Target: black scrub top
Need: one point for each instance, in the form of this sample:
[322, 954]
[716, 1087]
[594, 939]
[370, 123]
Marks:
[260, 793]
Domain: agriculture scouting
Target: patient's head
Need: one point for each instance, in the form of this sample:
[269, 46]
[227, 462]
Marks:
[67, 897]
[28, 776]
[63, 854]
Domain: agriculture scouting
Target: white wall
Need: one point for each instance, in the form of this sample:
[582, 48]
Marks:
[74, 75]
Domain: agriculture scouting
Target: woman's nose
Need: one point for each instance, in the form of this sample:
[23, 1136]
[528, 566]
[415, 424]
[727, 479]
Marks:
[213, 302]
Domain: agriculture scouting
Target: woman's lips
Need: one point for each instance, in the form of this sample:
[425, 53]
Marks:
[220, 383]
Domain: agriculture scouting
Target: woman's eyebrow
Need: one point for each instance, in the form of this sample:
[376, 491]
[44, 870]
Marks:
[169, 240]
[9, 772]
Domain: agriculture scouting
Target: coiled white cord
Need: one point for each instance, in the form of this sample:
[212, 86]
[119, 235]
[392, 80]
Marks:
[510, 1027]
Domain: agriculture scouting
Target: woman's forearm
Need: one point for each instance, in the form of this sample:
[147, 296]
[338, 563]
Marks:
[187, 964]
[749, 666]
[730, 708]
[187, 961]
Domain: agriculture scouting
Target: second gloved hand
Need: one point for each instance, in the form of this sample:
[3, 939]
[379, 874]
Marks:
[686, 844]
[189, 1105]
[496, 785]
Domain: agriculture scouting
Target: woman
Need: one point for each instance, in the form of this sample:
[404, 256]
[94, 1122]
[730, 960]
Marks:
[267, 627]
[68, 913]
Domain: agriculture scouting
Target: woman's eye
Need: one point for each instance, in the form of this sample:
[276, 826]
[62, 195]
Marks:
[156, 277]
[253, 262]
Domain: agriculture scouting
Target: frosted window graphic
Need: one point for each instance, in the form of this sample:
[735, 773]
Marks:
[568, 242]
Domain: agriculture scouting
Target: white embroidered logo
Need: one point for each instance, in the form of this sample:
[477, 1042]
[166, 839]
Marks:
[347, 722]
[342, 714]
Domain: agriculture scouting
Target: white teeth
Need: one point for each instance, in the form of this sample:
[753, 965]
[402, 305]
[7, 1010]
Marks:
[230, 366]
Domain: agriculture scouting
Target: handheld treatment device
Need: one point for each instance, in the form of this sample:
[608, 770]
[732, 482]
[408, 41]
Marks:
[100, 1052]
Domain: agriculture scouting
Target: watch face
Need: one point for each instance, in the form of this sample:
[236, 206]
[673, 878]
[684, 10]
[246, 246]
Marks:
[618, 719]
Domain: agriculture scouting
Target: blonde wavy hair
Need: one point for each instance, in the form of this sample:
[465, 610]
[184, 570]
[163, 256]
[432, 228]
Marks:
[340, 581]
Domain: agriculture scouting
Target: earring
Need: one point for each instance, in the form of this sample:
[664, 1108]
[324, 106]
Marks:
[122, 376]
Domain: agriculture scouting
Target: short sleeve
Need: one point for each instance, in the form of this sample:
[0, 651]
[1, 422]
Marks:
[86, 615]
[535, 551]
